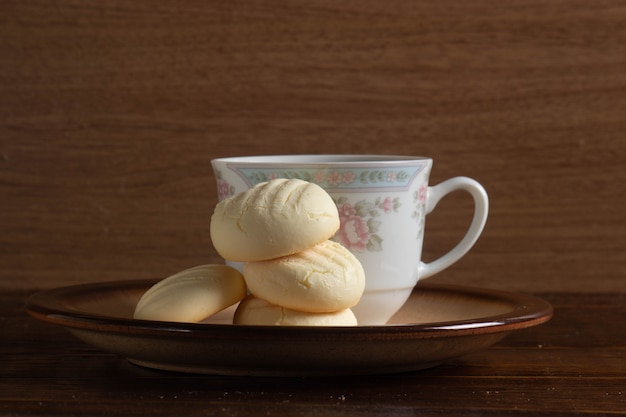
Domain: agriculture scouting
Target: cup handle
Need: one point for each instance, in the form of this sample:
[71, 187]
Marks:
[481, 209]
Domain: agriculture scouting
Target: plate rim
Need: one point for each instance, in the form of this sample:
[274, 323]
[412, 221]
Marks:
[530, 311]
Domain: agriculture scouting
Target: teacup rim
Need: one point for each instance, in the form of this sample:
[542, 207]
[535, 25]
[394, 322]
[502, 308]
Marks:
[322, 159]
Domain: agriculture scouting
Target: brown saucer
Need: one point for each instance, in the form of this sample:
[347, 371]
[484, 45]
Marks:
[438, 323]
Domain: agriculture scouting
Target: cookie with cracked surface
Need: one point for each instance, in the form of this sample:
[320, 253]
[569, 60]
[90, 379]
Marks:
[324, 278]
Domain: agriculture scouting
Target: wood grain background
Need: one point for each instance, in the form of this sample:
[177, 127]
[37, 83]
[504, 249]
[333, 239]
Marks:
[110, 112]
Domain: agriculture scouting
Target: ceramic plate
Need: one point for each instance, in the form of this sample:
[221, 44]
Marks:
[438, 323]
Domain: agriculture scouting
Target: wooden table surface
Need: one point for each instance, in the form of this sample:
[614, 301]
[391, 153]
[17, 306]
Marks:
[573, 365]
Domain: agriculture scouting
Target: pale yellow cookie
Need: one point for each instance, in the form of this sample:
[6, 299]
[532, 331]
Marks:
[324, 278]
[273, 219]
[192, 295]
[257, 312]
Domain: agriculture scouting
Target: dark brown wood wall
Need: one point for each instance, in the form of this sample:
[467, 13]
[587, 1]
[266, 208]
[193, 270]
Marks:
[110, 112]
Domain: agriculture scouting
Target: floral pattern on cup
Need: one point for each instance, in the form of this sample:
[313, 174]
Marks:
[224, 189]
[359, 223]
[349, 178]
[419, 199]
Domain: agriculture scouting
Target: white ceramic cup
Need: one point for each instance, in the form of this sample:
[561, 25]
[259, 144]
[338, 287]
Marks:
[383, 201]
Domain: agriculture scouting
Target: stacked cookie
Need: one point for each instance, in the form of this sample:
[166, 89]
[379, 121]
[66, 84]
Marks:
[280, 230]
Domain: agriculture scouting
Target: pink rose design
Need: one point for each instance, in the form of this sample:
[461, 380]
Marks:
[223, 189]
[391, 176]
[349, 177]
[387, 205]
[334, 177]
[319, 177]
[422, 193]
[346, 211]
[353, 233]
[272, 176]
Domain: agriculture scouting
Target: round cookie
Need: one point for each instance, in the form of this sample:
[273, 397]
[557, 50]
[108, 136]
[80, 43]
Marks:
[324, 278]
[273, 219]
[192, 295]
[257, 312]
